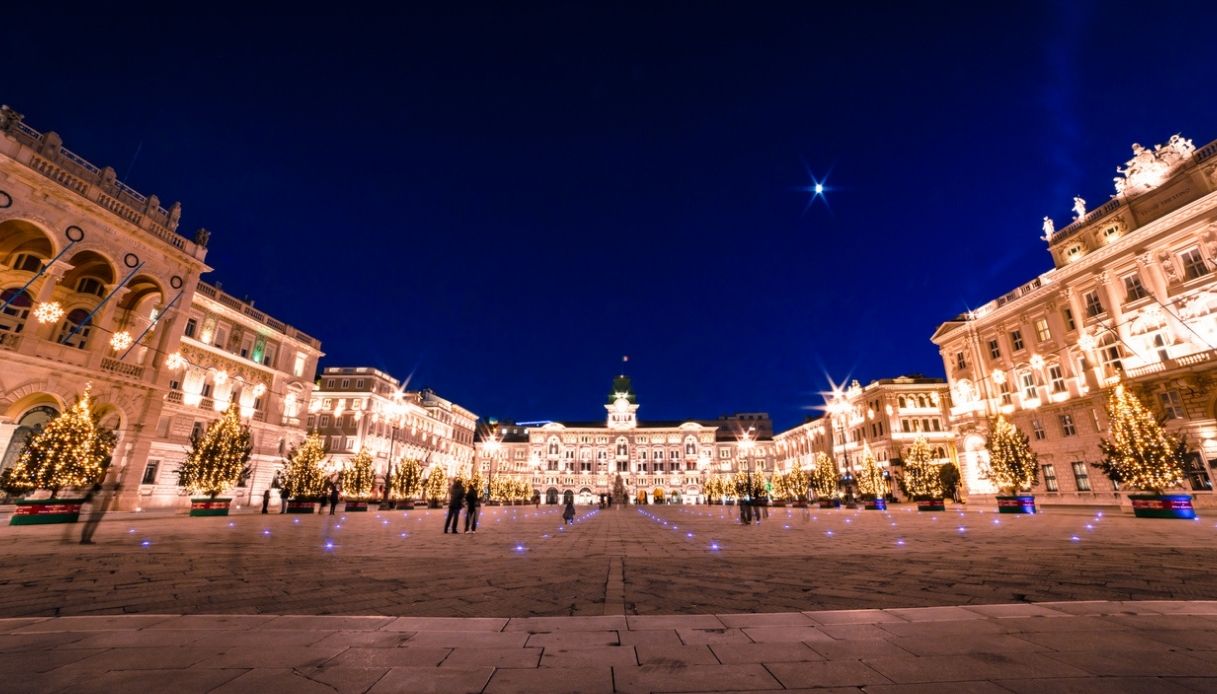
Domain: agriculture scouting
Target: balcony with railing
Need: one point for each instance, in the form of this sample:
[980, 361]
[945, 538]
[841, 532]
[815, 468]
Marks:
[247, 309]
[45, 154]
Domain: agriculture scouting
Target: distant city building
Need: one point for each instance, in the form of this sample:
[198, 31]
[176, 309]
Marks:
[657, 461]
[1132, 295]
[886, 417]
[359, 408]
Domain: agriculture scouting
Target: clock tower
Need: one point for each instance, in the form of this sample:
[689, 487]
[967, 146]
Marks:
[622, 405]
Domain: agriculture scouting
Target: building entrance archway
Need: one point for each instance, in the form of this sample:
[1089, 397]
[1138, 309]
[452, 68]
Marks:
[551, 496]
[568, 497]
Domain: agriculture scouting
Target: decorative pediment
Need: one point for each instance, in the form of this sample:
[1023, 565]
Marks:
[1202, 304]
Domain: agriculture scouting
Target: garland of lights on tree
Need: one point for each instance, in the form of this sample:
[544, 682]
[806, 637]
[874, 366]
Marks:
[870, 477]
[825, 477]
[72, 451]
[922, 478]
[303, 477]
[1013, 465]
[1139, 454]
[471, 479]
[217, 456]
[795, 484]
[358, 476]
[436, 486]
[407, 480]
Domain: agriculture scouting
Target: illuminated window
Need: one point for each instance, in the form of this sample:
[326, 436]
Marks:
[1056, 376]
[1081, 476]
[1042, 333]
[1067, 426]
[1050, 478]
[1037, 428]
[1172, 404]
[1028, 382]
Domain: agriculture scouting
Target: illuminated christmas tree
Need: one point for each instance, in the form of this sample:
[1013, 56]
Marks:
[921, 476]
[303, 477]
[407, 481]
[71, 451]
[870, 477]
[1139, 454]
[217, 456]
[358, 476]
[825, 477]
[436, 487]
[1012, 463]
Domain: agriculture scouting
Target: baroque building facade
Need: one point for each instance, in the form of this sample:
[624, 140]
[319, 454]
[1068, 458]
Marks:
[98, 290]
[884, 417]
[357, 408]
[1131, 295]
[656, 461]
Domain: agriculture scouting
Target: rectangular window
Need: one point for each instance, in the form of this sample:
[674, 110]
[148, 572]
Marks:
[1016, 339]
[1042, 333]
[1037, 429]
[1067, 427]
[1069, 324]
[1082, 476]
[1193, 264]
[150, 472]
[959, 361]
[994, 349]
[1050, 478]
[325, 420]
[207, 390]
[1028, 381]
[298, 370]
[359, 384]
[346, 383]
[1133, 289]
[1094, 307]
[191, 327]
[1006, 395]
[196, 430]
[1056, 376]
[1172, 404]
[724, 453]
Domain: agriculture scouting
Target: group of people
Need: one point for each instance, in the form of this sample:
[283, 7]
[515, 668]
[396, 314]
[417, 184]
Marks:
[753, 500]
[470, 499]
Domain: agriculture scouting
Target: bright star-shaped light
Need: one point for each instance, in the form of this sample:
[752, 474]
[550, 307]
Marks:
[818, 189]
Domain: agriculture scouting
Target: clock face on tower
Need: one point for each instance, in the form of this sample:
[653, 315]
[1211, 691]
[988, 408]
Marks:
[622, 405]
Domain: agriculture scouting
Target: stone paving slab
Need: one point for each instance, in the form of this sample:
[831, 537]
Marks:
[1117, 646]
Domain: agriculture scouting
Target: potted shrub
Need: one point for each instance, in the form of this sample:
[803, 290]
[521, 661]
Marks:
[356, 481]
[825, 481]
[436, 487]
[921, 478]
[71, 452]
[303, 477]
[1012, 465]
[215, 462]
[1142, 456]
[871, 483]
[407, 483]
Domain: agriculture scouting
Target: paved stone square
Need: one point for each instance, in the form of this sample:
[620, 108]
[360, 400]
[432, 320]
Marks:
[651, 560]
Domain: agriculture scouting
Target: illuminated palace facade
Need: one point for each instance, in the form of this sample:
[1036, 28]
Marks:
[885, 417]
[357, 408]
[1131, 295]
[657, 461]
[98, 289]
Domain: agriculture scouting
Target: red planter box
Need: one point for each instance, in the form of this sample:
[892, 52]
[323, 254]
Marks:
[209, 507]
[299, 506]
[1019, 503]
[931, 505]
[44, 511]
[1163, 506]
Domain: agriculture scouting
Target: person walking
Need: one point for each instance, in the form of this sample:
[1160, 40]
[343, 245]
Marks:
[283, 495]
[568, 514]
[473, 503]
[266, 501]
[743, 490]
[456, 499]
[99, 502]
[325, 498]
[536, 500]
[333, 497]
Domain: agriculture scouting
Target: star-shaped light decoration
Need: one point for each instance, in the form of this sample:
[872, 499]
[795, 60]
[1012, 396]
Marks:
[48, 312]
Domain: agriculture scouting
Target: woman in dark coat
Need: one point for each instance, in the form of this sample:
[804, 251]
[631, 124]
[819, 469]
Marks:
[472, 502]
[569, 513]
[333, 498]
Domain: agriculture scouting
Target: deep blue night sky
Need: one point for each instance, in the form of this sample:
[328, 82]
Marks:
[505, 201]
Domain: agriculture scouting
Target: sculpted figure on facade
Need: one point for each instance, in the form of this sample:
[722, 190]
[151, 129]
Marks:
[1079, 208]
[1172, 275]
[1049, 228]
[1149, 168]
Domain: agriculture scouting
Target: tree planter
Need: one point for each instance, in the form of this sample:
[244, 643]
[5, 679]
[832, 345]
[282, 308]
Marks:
[931, 504]
[829, 503]
[1156, 506]
[1017, 503]
[800, 504]
[778, 504]
[405, 505]
[355, 507]
[301, 506]
[209, 507]
[875, 504]
[43, 511]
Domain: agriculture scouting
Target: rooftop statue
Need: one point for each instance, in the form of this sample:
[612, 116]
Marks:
[1149, 168]
[1079, 208]
[1049, 229]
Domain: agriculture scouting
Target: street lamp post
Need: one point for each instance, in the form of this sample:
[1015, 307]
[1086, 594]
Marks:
[492, 446]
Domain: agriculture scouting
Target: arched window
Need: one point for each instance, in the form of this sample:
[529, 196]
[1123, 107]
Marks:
[78, 325]
[91, 285]
[26, 262]
[690, 446]
[622, 449]
[553, 446]
[901, 402]
[13, 318]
